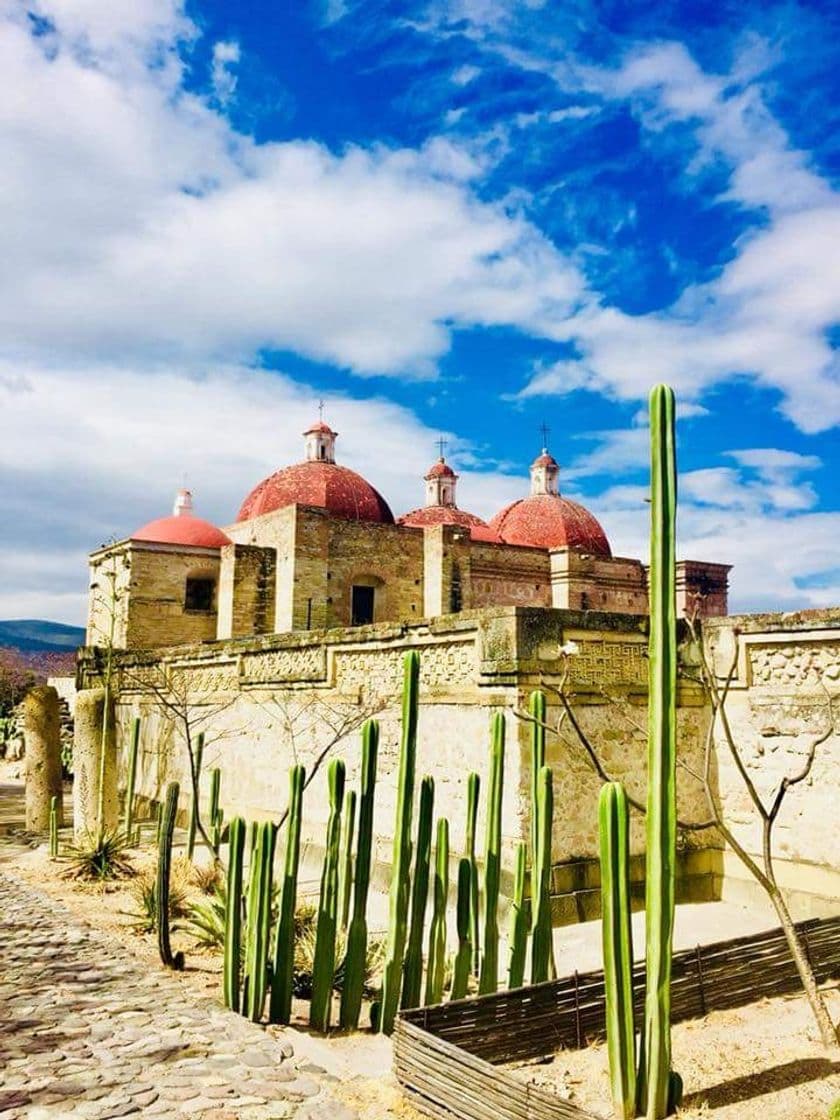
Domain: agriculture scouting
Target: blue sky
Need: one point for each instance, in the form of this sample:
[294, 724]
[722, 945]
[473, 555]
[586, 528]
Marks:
[466, 218]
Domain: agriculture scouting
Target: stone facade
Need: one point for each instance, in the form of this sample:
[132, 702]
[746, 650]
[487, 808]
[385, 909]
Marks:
[784, 695]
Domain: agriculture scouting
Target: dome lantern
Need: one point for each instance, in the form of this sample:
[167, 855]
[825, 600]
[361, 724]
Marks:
[440, 484]
[545, 475]
[320, 443]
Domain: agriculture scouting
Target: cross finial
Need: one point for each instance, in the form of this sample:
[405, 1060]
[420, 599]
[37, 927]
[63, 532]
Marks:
[321, 409]
[442, 442]
[546, 432]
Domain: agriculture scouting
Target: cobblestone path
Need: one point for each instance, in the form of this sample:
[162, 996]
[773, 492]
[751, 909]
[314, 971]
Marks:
[87, 1033]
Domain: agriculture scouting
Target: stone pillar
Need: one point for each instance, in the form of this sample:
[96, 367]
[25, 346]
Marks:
[42, 739]
[87, 743]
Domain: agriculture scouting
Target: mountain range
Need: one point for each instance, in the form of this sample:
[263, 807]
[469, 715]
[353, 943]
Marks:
[36, 635]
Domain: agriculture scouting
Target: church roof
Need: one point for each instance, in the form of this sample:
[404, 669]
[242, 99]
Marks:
[332, 487]
[182, 527]
[550, 521]
[440, 469]
[448, 515]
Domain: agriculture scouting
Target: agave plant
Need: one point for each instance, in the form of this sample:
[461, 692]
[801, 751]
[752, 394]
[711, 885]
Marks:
[100, 857]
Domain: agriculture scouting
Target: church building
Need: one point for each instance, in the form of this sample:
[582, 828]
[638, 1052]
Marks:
[315, 546]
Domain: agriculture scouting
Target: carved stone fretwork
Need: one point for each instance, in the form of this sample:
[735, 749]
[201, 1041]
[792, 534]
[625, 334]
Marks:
[281, 666]
[608, 663]
[789, 665]
[442, 666]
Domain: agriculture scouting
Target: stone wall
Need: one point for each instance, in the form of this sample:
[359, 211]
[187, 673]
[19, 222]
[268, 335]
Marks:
[785, 695]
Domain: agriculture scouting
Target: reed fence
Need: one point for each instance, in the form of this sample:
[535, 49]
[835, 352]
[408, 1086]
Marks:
[445, 1056]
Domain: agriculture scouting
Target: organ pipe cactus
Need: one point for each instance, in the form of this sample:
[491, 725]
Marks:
[194, 804]
[346, 877]
[323, 967]
[463, 958]
[53, 827]
[164, 866]
[259, 920]
[661, 824]
[131, 775]
[518, 936]
[401, 863]
[541, 881]
[536, 709]
[282, 973]
[233, 914]
[473, 788]
[354, 962]
[489, 976]
[216, 814]
[617, 941]
[436, 969]
[413, 966]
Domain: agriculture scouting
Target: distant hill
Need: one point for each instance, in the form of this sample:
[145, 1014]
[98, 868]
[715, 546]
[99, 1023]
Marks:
[35, 635]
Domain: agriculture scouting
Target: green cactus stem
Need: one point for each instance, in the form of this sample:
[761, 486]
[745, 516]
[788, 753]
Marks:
[259, 920]
[355, 958]
[518, 936]
[194, 788]
[131, 776]
[617, 941]
[661, 823]
[541, 881]
[345, 888]
[463, 958]
[413, 966]
[53, 827]
[536, 709]
[233, 914]
[164, 866]
[282, 973]
[216, 814]
[401, 861]
[323, 967]
[473, 789]
[436, 971]
[489, 976]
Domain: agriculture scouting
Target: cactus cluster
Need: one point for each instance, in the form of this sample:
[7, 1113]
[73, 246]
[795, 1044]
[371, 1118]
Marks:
[413, 964]
[194, 788]
[541, 940]
[216, 814]
[518, 935]
[282, 973]
[435, 971]
[464, 957]
[233, 914]
[258, 922]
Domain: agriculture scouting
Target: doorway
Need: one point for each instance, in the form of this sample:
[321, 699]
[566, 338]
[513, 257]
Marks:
[361, 605]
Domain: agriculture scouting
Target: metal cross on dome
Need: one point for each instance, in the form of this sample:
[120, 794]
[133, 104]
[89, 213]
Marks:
[546, 432]
[442, 444]
[321, 407]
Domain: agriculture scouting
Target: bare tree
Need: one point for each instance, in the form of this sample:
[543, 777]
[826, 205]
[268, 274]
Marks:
[764, 871]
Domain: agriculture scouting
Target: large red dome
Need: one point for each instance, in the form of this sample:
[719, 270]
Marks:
[448, 515]
[550, 521]
[337, 489]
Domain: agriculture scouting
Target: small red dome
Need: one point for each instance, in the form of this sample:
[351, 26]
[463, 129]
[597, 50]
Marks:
[320, 426]
[182, 529]
[549, 521]
[448, 515]
[337, 489]
[440, 469]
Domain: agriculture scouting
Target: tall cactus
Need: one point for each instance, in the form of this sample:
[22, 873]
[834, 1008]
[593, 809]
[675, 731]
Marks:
[345, 888]
[661, 822]
[413, 965]
[401, 863]
[617, 941]
[164, 866]
[233, 914]
[216, 814]
[518, 936]
[195, 807]
[355, 958]
[473, 789]
[489, 976]
[323, 967]
[463, 958]
[282, 973]
[259, 921]
[53, 827]
[536, 709]
[131, 776]
[436, 971]
[541, 881]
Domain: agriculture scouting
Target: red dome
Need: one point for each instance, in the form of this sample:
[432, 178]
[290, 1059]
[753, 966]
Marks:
[440, 470]
[182, 529]
[549, 521]
[448, 515]
[337, 489]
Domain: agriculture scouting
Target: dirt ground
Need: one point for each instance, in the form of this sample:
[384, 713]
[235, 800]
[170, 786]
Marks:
[762, 1062]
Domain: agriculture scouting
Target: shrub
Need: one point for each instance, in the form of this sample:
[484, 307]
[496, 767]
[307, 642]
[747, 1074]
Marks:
[100, 857]
[144, 896]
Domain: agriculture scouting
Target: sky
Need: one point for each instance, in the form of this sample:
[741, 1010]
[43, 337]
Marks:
[457, 218]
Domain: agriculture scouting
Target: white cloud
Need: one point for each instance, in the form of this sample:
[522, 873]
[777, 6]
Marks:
[226, 54]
